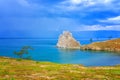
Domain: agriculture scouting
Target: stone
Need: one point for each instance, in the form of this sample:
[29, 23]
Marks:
[66, 40]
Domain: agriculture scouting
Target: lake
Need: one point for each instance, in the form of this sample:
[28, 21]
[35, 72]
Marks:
[46, 50]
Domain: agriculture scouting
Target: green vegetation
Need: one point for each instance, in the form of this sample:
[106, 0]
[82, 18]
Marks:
[109, 37]
[23, 51]
[12, 69]
[91, 40]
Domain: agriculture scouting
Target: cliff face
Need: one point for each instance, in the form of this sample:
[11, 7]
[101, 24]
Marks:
[110, 45]
[66, 40]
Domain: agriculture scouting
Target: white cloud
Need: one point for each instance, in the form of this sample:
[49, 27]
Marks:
[114, 20]
[97, 27]
[15, 3]
[24, 3]
[75, 1]
[83, 4]
[86, 2]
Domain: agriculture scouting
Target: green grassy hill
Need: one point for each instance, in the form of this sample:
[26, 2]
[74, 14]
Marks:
[15, 69]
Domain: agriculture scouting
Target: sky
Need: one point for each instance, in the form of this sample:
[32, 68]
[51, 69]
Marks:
[20, 18]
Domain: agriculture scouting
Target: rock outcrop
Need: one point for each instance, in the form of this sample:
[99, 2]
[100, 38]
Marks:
[109, 45]
[67, 41]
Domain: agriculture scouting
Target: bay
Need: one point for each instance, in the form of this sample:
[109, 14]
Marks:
[46, 50]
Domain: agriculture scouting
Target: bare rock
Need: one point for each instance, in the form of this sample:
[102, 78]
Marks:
[66, 40]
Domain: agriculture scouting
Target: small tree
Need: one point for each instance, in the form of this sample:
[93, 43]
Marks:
[23, 51]
[91, 40]
[110, 37]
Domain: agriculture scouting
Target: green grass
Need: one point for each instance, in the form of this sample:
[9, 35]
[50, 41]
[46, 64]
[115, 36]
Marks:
[14, 69]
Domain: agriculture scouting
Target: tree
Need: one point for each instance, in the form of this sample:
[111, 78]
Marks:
[24, 50]
[91, 40]
[109, 37]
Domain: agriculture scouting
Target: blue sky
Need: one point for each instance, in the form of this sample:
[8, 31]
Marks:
[39, 17]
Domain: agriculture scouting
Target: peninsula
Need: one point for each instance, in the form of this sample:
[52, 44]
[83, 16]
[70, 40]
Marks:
[67, 41]
[109, 45]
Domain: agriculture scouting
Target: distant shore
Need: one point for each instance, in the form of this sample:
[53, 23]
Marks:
[108, 45]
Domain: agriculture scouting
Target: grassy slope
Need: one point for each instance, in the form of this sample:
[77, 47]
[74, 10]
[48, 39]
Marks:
[12, 69]
[109, 45]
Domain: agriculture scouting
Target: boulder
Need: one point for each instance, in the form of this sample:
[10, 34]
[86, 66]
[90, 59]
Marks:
[66, 40]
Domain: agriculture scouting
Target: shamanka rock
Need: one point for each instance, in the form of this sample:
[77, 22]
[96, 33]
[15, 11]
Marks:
[66, 40]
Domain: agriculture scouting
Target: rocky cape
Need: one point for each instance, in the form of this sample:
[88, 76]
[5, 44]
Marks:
[109, 45]
[67, 41]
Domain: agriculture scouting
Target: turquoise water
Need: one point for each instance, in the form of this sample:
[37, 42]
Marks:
[45, 50]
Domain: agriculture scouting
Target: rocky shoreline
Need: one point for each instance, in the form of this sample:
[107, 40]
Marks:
[67, 41]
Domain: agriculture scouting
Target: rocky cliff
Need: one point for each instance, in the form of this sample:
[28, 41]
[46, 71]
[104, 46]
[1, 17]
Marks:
[66, 40]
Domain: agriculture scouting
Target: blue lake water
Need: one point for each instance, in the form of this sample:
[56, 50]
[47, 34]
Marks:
[45, 50]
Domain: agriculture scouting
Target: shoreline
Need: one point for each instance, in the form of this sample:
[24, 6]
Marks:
[12, 69]
[56, 63]
[107, 45]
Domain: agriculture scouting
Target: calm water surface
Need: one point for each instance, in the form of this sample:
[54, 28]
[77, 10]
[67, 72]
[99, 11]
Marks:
[45, 50]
